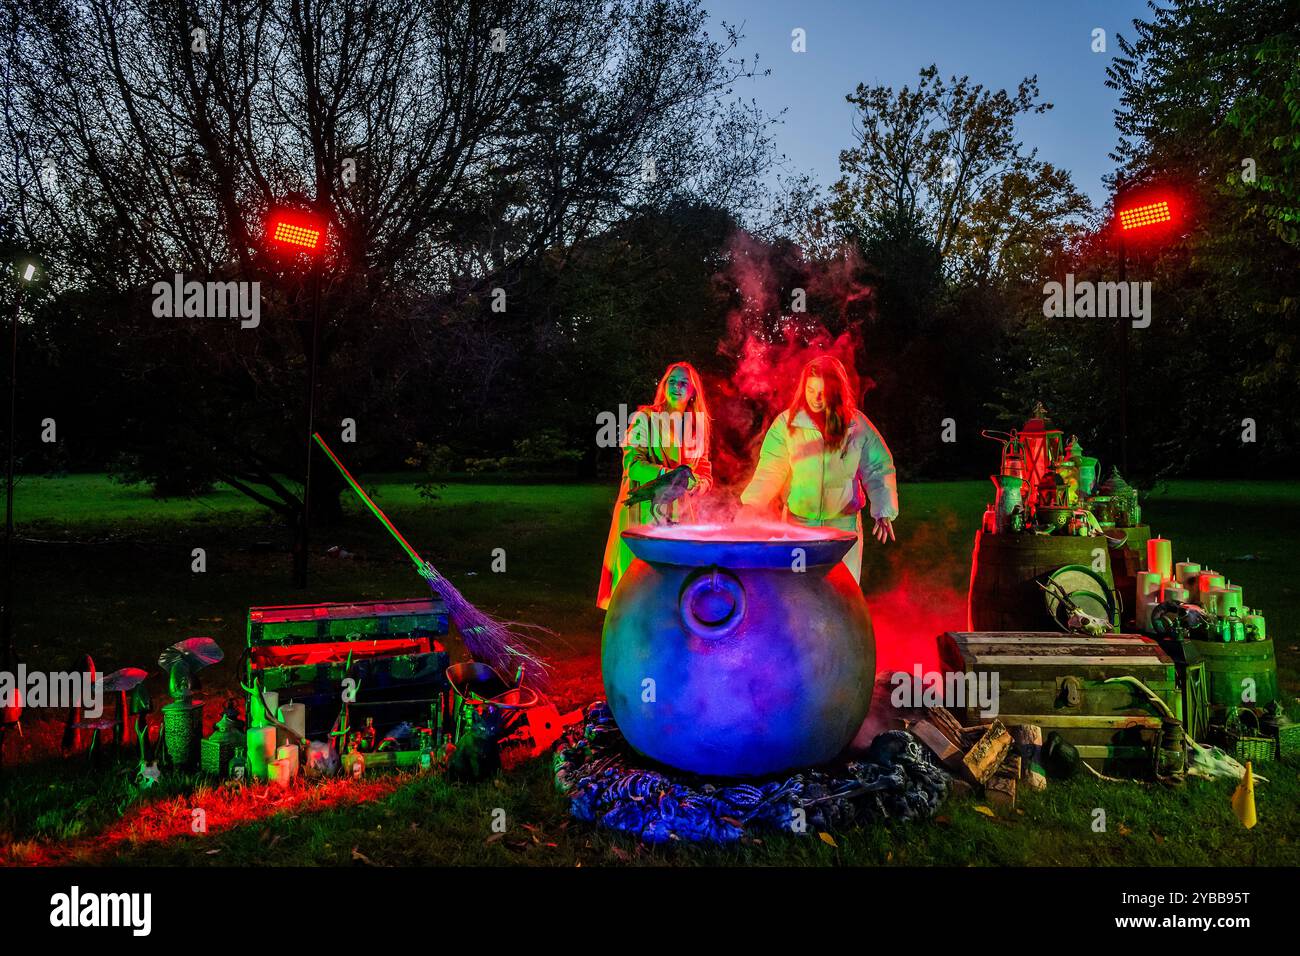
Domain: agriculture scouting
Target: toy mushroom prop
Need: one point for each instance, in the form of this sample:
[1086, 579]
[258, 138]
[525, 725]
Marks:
[120, 682]
[123, 682]
[75, 723]
[11, 715]
[183, 661]
[183, 717]
[11, 711]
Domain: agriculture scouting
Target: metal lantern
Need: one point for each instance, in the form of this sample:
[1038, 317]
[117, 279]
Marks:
[1013, 452]
[218, 749]
[1013, 456]
[183, 730]
[1043, 445]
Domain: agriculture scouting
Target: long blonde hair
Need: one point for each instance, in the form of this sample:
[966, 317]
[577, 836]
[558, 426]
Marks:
[697, 404]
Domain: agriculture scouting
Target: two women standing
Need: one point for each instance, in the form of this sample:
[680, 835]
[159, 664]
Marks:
[822, 463]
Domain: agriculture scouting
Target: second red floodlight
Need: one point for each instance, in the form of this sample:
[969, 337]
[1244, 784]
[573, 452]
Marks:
[296, 232]
[1140, 217]
[1145, 214]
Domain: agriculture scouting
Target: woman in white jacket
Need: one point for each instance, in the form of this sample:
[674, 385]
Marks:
[824, 461]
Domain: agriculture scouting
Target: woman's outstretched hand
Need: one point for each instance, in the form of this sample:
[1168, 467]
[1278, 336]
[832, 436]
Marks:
[884, 530]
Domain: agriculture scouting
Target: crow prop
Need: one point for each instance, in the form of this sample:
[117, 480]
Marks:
[662, 492]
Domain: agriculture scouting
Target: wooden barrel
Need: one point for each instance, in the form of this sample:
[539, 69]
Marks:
[1227, 666]
[1005, 570]
[1125, 565]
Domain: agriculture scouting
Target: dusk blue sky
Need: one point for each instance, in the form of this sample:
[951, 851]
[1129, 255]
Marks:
[888, 42]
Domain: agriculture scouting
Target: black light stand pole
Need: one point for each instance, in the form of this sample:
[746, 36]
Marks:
[304, 537]
[1125, 323]
[7, 616]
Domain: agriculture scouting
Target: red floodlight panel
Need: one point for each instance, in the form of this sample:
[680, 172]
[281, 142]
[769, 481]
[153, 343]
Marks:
[1145, 214]
[305, 234]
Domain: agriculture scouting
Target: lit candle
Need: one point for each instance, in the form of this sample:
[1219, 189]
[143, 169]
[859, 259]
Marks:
[1148, 594]
[1186, 572]
[1207, 580]
[1160, 557]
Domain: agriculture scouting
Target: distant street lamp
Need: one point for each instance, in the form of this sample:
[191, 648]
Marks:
[1147, 216]
[302, 235]
[27, 273]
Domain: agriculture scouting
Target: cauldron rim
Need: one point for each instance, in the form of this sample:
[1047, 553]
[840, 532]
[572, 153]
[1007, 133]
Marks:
[827, 548]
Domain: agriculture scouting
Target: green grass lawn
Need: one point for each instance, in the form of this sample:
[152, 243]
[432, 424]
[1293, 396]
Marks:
[106, 569]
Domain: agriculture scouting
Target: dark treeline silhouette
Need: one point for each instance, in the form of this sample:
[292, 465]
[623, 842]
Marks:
[532, 211]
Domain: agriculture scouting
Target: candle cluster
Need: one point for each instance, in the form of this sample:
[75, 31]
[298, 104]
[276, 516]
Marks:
[1187, 582]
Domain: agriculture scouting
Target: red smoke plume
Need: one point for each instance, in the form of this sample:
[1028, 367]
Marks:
[769, 340]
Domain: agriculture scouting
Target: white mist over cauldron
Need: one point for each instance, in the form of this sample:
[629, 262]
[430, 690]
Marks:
[738, 650]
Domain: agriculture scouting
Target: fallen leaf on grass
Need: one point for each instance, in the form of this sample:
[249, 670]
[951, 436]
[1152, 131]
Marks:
[494, 838]
[828, 839]
[985, 810]
[358, 855]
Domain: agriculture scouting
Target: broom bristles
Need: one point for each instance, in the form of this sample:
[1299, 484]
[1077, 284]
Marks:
[499, 644]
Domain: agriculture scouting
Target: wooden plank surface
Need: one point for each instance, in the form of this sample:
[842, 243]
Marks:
[1005, 660]
[1050, 721]
[975, 636]
[1024, 637]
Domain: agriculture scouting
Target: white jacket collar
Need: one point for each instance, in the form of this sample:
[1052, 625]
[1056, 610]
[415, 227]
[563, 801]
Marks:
[803, 420]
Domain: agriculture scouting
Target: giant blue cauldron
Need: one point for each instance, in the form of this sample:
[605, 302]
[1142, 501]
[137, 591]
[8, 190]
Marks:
[730, 654]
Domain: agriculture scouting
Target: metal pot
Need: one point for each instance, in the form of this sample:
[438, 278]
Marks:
[1054, 517]
[738, 655]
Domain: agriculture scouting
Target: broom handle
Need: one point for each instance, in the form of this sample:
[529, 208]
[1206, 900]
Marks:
[369, 502]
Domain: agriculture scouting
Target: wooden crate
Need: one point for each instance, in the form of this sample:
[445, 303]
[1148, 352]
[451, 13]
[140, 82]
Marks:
[352, 620]
[1056, 681]
[390, 649]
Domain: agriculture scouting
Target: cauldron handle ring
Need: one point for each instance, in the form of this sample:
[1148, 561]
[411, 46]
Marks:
[714, 579]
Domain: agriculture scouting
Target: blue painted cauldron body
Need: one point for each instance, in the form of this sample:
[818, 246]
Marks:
[756, 667]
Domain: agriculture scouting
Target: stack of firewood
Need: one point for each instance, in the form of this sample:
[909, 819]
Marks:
[992, 758]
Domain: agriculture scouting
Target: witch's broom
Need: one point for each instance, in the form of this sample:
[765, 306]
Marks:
[496, 643]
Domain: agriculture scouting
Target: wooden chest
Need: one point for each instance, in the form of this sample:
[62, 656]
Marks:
[353, 620]
[388, 648]
[1056, 681]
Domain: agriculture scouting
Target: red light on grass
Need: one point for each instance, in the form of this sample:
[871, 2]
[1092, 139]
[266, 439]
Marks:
[300, 232]
[1146, 214]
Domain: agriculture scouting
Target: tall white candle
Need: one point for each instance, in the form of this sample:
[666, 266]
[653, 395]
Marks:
[1160, 556]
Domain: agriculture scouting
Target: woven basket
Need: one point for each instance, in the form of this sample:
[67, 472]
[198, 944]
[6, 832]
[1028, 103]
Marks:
[1288, 740]
[1246, 744]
